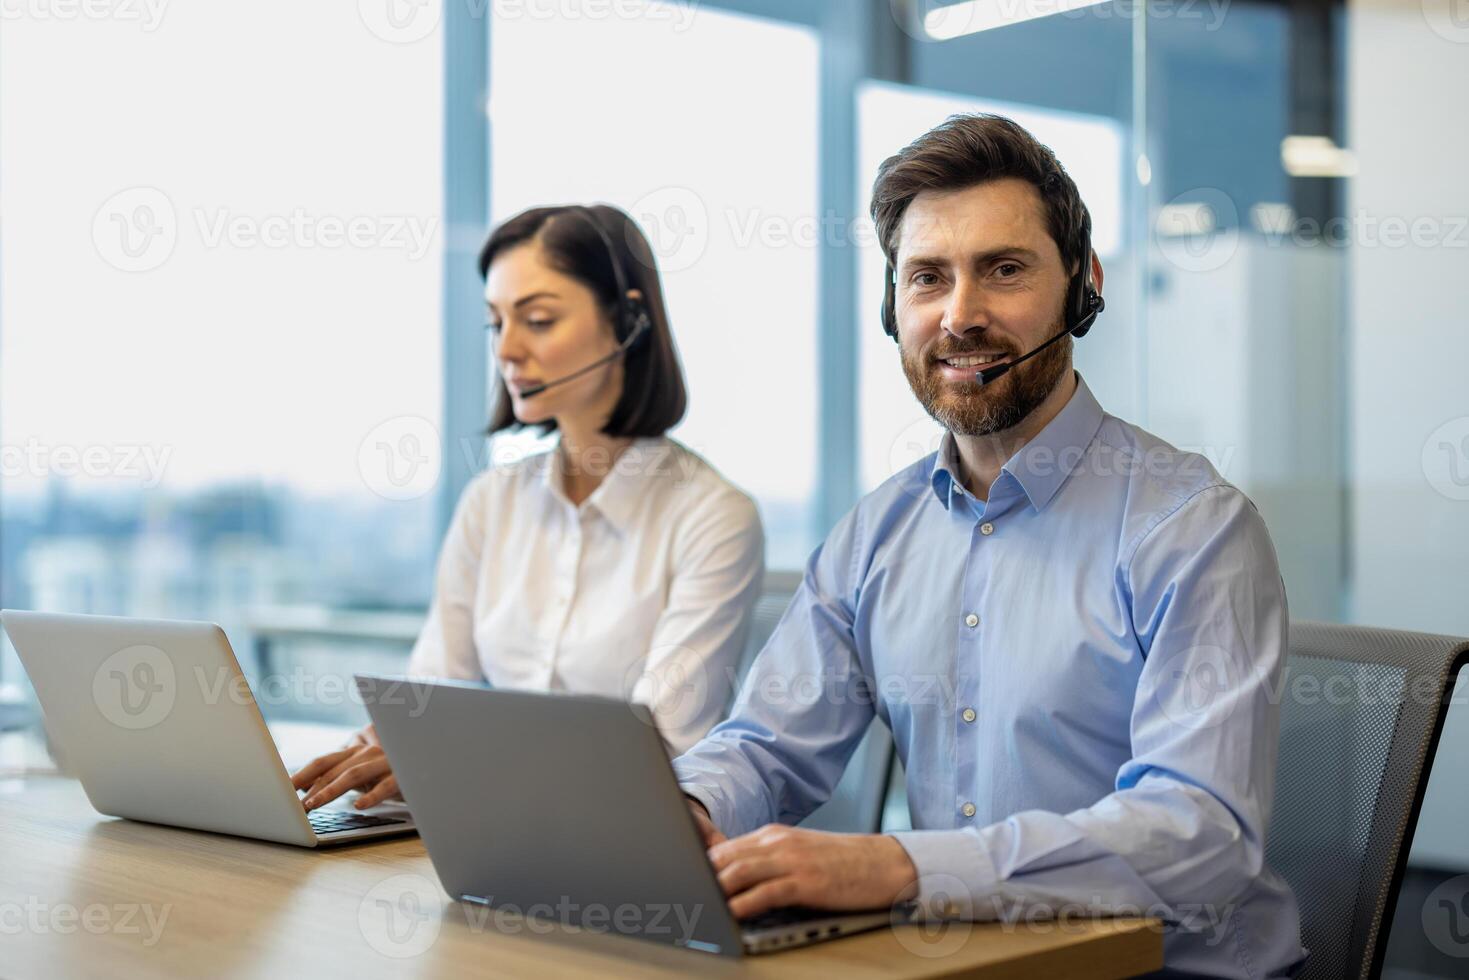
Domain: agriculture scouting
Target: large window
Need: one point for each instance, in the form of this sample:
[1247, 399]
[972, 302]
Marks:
[703, 126]
[219, 311]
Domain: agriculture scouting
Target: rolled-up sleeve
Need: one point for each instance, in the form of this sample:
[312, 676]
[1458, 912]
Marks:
[1184, 828]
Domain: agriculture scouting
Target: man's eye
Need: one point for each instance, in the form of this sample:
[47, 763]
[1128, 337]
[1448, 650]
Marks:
[1014, 270]
[925, 279]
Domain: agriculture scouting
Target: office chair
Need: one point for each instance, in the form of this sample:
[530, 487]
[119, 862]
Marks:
[1361, 714]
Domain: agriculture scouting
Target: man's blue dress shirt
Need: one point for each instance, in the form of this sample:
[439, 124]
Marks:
[1078, 674]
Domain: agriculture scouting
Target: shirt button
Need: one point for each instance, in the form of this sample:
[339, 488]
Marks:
[972, 620]
[968, 809]
[986, 528]
[969, 715]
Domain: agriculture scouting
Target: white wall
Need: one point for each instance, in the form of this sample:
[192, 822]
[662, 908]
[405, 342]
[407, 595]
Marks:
[1408, 67]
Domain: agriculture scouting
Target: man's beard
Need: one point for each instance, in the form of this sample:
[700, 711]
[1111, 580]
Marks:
[972, 409]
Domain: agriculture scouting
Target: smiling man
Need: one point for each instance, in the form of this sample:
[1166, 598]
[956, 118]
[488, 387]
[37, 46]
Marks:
[1070, 627]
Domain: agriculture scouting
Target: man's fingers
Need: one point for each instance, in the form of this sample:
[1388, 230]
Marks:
[774, 894]
[384, 789]
[313, 770]
[749, 871]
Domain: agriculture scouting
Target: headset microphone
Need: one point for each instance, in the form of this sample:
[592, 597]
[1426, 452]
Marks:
[637, 332]
[985, 375]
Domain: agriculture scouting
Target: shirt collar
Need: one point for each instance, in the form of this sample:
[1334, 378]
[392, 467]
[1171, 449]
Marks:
[621, 491]
[1041, 465]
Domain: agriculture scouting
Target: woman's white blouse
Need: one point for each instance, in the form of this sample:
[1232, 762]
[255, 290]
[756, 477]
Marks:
[643, 592]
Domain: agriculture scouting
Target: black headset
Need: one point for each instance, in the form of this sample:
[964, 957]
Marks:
[1083, 302]
[632, 320]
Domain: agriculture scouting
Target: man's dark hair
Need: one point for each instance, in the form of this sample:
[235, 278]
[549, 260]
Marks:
[654, 396]
[970, 149]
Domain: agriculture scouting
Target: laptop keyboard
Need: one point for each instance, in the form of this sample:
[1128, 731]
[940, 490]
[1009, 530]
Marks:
[336, 821]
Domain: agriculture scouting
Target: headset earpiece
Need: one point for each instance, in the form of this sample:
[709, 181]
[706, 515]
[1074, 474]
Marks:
[889, 300]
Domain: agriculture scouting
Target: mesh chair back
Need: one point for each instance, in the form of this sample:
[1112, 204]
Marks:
[1361, 713]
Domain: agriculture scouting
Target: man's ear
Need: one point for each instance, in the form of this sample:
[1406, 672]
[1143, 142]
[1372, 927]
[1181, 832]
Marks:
[1096, 273]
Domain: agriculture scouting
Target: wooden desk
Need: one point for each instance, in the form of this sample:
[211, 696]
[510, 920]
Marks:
[86, 895]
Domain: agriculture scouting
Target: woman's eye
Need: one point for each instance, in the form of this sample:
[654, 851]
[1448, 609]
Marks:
[539, 324]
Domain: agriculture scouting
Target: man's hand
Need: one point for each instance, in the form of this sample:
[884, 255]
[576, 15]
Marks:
[777, 866]
[707, 830]
[361, 765]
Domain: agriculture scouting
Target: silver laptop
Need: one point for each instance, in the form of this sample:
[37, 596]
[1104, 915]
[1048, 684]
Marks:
[566, 807]
[158, 722]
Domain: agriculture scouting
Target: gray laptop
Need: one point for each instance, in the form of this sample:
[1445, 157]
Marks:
[158, 722]
[566, 807]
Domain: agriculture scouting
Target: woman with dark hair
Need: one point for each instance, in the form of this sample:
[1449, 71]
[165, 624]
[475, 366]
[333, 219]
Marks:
[615, 562]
